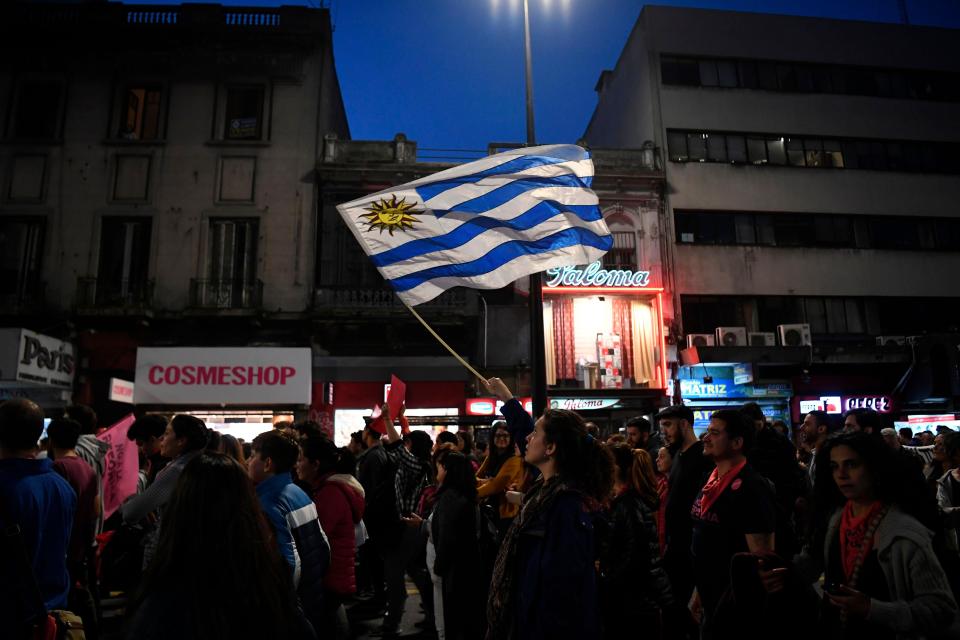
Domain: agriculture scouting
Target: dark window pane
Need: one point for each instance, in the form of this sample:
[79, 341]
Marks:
[776, 151]
[737, 149]
[748, 74]
[833, 231]
[884, 83]
[757, 150]
[795, 152]
[141, 116]
[822, 79]
[708, 73]
[686, 224]
[815, 310]
[851, 155]
[805, 78]
[787, 77]
[697, 146]
[925, 234]
[727, 71]
[813, 152]
[832, 154]
[677, 146]
[838, 80]
[768, 75]
[793, 230]
[716, 147]
[894, 156]
[836, 315]
[21, 244]
[856, 319]
[898, 85]
[861, 82]
[244, 113]
[38, 107]
[765, 232]
[717, 228]
[893, 233]
[745, 233]
[774, 310]
[948, 234]
[680, 71]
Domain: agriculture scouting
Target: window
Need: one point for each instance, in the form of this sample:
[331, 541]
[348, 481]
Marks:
[141, 113]
[716, 147]
[679, 71]
[814, 152]
[21, 241]
[623, 255]
[233, 261]
[708, 74]
[38, 110]
[748, 74]
[727, 72]
[124, 261]
[244, 113]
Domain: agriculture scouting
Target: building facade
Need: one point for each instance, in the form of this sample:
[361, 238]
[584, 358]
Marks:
[158, 177]
[807, 186]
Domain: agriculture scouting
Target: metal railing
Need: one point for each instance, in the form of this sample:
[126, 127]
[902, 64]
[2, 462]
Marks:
[353, 298]
[225, 294]
[114, 294]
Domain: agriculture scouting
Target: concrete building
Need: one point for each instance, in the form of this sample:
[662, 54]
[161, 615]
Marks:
[812, 169]
[158, 179]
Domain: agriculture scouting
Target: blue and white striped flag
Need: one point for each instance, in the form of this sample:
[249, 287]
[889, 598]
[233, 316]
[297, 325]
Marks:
[483, 224]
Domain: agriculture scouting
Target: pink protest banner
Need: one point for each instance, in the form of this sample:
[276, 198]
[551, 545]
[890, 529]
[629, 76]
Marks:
[121, 465]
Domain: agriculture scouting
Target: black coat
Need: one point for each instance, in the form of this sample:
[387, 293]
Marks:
[631, 573]
[454, 533]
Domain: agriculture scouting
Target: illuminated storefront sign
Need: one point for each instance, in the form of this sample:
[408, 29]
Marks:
[583, 404]
[596, 276]
[726, 388]
[840, 404]
[491, 406]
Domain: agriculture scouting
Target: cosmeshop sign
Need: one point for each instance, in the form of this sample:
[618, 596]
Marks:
[227, 375]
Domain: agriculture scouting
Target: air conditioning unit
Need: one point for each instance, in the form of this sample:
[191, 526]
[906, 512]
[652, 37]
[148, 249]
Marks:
[762, 339]
[731, 336]
[700, 340]
[794, 335]
[891, 341]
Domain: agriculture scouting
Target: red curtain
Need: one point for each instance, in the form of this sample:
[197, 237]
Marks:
[622, 320]
[563, 339]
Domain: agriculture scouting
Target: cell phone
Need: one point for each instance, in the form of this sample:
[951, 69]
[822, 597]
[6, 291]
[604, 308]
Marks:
[833, 588]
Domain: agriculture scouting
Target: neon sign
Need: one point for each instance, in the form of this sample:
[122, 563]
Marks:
[596, 276]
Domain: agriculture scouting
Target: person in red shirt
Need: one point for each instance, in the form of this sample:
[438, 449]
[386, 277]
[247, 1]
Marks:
[64, 434]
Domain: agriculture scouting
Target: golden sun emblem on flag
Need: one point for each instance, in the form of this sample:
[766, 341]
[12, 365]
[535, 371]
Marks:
[390, 215]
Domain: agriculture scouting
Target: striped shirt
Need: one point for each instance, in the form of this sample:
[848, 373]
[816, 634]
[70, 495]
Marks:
[411, 477]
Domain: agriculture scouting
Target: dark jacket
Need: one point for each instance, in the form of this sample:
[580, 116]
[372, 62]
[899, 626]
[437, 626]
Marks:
[556, 580]
[454, 534]
[631, 575]
[375, 471]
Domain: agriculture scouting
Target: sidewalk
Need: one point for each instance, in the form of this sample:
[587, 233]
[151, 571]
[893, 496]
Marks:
[364, 625]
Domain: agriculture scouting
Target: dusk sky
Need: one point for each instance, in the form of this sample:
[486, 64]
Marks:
[449, 73]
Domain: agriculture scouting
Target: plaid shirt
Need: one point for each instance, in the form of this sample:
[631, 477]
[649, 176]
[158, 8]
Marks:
[411, 477]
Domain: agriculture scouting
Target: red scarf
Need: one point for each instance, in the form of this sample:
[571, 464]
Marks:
[716, 485]
[853, 535]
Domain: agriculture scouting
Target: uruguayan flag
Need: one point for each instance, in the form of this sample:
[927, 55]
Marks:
[483, 224]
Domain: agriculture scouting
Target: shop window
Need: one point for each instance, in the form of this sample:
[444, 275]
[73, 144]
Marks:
[141, 113]
[124, 260]
[244, 113]
[37, 114]
[680, 71]
[21, 242]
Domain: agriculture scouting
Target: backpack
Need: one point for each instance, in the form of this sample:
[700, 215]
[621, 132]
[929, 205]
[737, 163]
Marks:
[69, 625]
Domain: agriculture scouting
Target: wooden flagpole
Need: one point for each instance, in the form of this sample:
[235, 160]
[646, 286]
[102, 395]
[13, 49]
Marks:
[445, 345]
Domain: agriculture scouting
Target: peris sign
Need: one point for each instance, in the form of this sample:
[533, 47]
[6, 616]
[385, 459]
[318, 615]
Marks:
[40, 359]
[596, 276]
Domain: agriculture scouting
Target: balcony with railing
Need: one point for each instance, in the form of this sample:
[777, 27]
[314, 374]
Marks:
[106, 297]
[349, 300]
[238, 296]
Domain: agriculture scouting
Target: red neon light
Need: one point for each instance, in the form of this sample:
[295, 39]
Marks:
[662, 367]
[601, 290]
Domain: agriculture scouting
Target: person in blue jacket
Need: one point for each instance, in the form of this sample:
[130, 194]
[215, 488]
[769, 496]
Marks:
[544, 582]
[293, 517]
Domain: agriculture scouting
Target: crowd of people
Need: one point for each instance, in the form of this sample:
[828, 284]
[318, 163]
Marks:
[551, 531]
